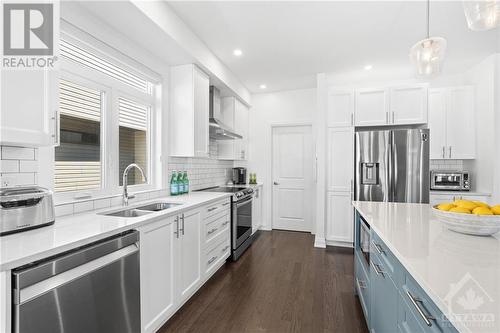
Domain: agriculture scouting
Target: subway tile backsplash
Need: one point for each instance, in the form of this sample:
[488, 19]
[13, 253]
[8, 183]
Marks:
[18, 166]
[447, 165]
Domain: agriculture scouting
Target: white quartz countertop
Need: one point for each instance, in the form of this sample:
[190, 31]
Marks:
[460, 273]
[72, 231]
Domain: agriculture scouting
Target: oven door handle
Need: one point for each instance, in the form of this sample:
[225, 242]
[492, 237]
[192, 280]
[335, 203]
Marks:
[243, 203]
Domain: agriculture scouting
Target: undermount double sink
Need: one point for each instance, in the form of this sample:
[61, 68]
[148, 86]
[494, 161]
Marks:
[142, 210]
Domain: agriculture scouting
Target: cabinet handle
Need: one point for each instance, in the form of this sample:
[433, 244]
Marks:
[56, 134]
[352, 119]
[212, 231]
[393, 116]
[379, 248]
[378, 270]
[176, 232]
[225, 248]
[182, 219]
[449, 148]
[386, 117]
[211, 260]
[211, 209]
[361, 284]
[444, 151]
[415, 301]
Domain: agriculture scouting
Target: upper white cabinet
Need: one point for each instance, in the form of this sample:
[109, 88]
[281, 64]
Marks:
[409, 104]
[235, 115]
[452, 123]
[29, 106]
[340, 111]
[372, 107]
[398, 105]
[189, 108]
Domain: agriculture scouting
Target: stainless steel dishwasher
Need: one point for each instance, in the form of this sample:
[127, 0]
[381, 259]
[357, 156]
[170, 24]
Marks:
[92, 289]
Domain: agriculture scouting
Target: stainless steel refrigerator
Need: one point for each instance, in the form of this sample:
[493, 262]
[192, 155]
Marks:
[392, 165]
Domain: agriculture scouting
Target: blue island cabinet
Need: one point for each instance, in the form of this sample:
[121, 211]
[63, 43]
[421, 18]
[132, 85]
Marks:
[391, 299]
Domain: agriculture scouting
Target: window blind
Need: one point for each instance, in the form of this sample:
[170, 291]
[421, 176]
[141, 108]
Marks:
[85, 58]
[132, 114]
[78, 101]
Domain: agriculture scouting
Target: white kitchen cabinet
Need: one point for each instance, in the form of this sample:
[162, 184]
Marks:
[409, 104]
[340, 219]
[189, 111]
[235, 115]
[257, 209]
[340, 109]
[188, 254]
[29, 106]
[157, 273]
[340, 163]
[372, 107]
[452, 123]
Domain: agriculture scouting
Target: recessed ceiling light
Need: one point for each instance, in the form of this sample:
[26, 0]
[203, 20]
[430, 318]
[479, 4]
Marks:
[238, 52]
[262, 86]
[368, 67]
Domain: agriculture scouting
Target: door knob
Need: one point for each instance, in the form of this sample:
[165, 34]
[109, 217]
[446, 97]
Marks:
[276, 183]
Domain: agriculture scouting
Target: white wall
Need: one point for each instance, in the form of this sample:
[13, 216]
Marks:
[286, 107]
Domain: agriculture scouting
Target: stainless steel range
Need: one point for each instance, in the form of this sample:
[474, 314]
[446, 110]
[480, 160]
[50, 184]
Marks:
[241, 217]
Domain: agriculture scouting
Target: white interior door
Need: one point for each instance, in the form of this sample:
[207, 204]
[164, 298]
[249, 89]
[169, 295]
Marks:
[292, 178]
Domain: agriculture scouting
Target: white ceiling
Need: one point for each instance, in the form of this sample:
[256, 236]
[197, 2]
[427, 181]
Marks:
[286, 43]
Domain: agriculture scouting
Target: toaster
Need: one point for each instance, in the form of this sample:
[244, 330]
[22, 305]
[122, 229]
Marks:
[24, 208]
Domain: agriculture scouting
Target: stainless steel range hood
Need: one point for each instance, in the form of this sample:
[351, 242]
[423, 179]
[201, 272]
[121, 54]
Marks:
[218, 130]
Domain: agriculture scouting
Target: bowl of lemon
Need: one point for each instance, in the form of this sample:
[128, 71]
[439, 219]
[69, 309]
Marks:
[469, 217]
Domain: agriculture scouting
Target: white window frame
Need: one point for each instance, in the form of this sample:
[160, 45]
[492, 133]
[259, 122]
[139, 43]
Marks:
[113, 90]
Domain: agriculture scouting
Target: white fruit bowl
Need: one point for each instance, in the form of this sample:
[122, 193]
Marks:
[470, 224]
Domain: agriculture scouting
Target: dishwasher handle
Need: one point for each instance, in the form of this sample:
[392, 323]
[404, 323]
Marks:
[37, 289]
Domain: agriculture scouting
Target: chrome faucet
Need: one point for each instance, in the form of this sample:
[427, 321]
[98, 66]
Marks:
[125, 182]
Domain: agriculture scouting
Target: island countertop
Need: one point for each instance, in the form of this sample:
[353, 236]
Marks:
[444, 263]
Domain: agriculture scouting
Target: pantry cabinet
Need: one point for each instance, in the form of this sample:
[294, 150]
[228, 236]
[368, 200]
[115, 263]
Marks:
[189, 110]
[396, 105]
[235, 115]
[340, 161]
[339, 215]
[340, 112]
[452, 123]
[29, 105]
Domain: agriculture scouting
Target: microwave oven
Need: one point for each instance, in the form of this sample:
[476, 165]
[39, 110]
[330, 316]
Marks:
[448, 180]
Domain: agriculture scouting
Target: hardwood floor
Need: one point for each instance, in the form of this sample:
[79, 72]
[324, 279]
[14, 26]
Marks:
[281, 284]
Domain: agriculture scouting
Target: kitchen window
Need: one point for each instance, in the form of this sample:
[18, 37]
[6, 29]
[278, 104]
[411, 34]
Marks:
[106, 111]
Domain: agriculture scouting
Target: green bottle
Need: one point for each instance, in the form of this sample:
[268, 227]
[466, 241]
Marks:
[186, 182]
[180, 183]
[174, 185]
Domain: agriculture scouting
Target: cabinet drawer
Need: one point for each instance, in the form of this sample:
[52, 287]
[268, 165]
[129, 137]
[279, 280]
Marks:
[391, 265]
[422, 310]
[217, 254]
[215, 208]
[362, 285]
[216, 226]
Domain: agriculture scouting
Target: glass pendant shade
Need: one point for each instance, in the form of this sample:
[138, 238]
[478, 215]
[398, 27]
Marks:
[482, 15]
[427, 56]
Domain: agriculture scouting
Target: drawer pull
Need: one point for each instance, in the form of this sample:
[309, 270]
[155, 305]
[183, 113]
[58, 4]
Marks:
[415, 301]
[212, 209]
[378, 270]
[361, 284]
[225, 248]
[212, 231]
[211, 260]
[379, 248]
[225, 223]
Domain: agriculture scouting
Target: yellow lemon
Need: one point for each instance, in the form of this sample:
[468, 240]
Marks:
[482, 211]
[460, 210]
[465, 204]
[496, 209]
[481, 204]
[445, 206]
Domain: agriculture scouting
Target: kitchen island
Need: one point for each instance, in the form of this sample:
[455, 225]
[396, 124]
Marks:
[456, 277]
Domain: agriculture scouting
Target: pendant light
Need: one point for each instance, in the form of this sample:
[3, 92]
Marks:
[427, 54]
[482, 15]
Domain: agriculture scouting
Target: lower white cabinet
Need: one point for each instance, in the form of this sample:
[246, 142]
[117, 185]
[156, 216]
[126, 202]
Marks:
[176, 259]
[157, 273]
[339, 216]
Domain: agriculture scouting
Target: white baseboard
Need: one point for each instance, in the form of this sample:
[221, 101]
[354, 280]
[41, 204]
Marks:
[265, 228]
[319, 242]
[339, 243]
